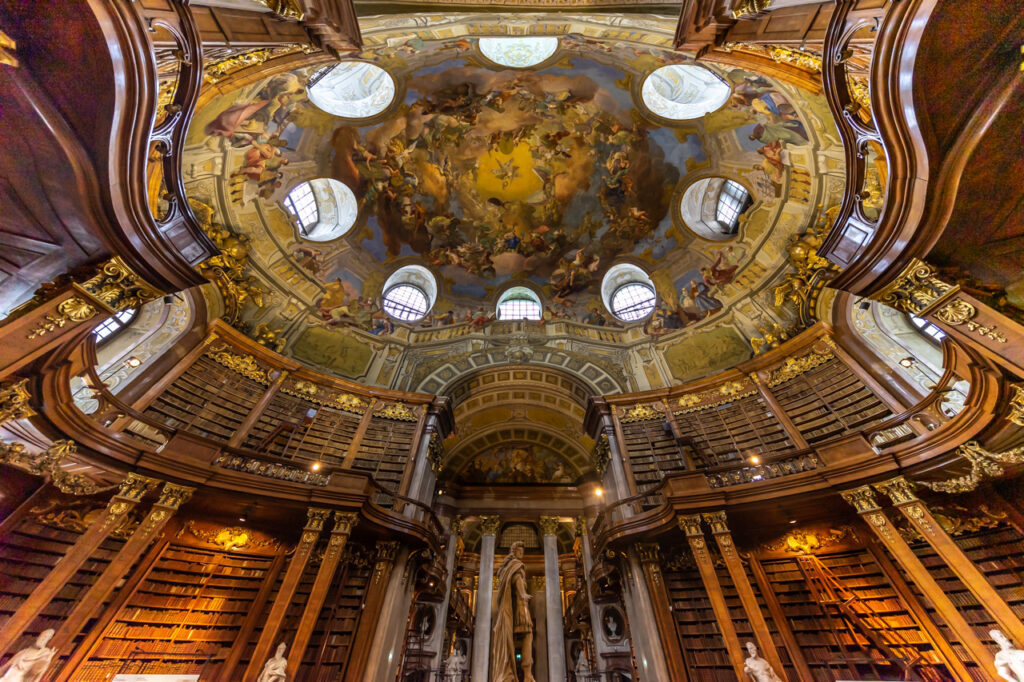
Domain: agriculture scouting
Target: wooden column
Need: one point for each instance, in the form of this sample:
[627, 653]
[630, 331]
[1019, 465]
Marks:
[357, 438]
[343, 523]
[14, 519]
[171, 498]
[314, 524]
[690, 525]
[796, 654]
[128, 495]
[901, 492]
[257, 411]
[238, 647]
[773, 404]
[650, 561]
[720, 531]
[374, 600]
[863, 500]
[942, 647]
[94, 635]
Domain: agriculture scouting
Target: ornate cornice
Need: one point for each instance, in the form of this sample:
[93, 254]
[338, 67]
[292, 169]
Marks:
[984, 464]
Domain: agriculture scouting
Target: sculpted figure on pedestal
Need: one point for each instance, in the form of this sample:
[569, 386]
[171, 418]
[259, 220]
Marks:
[758, 669]
[275, 667]
[1009, 660]
[511, 618]
[29, 664]
[582, 667]
[455, 666]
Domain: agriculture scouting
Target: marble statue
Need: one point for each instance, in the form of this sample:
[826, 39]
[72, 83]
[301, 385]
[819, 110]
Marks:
[275, 668]
[29, 664]
[612, 626]
[582, 667]
[455, 666]
[512, 617]
[758, 669]
[1009, 661]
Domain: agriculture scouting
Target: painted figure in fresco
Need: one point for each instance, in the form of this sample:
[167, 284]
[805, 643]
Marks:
[30, 664]
[1009, 660]
[512, 617]
[724, 268]
[700, 294]
[275, 668]
[756, 668]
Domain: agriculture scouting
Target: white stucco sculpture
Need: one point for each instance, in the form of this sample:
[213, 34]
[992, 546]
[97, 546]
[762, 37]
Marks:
[275, 668]
[29, 664]
[455, 666]
[758, 669]
[582, 667]
[1009, 660]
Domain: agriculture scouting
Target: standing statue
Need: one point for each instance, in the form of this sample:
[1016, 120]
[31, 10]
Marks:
[1009, 661]
[455, 666]
[758, 669]
[512, 617]
[29, 664]
[275, 668]
[582, 666]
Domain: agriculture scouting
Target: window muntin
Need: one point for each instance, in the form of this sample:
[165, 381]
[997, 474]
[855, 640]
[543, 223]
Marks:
[732, 201]
[406, 302]
[302, 204]
[519, 309]
[633, 301]
[114, 324]
[928, 328]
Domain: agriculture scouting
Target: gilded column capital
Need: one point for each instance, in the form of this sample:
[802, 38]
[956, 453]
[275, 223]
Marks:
[435, 452]
[134, 487]
[14, 397]
[549, 525]
[916, 289]
[1016, 415]
[862, 499]
[717, 521]
[315, 518]
[898, 489]
[602, 453]
[649, 552]
[457, 526]
[489, 524]
[118, 287]
[344, 522]
[690, 524]
[580, 525]
[386, 551]
[173, 495]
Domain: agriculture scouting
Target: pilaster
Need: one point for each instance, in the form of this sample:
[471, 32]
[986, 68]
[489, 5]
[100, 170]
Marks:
[376, 593]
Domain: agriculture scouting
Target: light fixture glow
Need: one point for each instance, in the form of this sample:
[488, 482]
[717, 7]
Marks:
[133, 362]
[316, 466]
[907, 362]
[754, 459]
[599, 492]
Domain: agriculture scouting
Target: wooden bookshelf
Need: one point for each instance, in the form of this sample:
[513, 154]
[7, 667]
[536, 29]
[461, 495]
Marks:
[324, 438]
[184, 616]
[330, 647]
[208, 399]
[829, 401]
[385, 450]
[698, 632]
[652, 451]
[733, 431]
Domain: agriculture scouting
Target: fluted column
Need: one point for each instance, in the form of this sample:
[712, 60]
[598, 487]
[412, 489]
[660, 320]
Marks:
[690, 525]
[484, 595]
[452, 552]
[343, 523]
[171, 497]
[132, 489]
[314, 524]
[600, 648]
[720, 531]
[863, 500]
[553, 600]
[901, 492]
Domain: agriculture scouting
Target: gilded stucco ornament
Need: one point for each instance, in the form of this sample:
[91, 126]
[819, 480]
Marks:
[602, 453]
[717, 521]
[435, 452]
[915, 290]
[862, 499]
[271, 470]
[14, 401]
[229, 268]
[640, 413]
[1016, 415]
[489, 524]
[984, 464]
[748, 9]
[228, 538]
[245, 365]
[794, 367]
[7, 47]
[690, 524]
[807, 542]
[48, 463]
[71, 310]
[118, 287]
[801, 287]
[398, 412]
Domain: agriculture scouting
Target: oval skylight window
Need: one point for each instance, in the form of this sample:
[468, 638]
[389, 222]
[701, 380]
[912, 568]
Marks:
[323, 209]
[518, 53]
[681, 92]
[352, 89]
[519, 303]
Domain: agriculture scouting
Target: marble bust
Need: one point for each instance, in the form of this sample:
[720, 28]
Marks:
[758, 669]
[30, 664]
[276, 667]
[1009, 660]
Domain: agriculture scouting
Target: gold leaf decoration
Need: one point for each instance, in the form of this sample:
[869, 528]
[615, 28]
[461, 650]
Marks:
[640, 413]
[245, 365]
[228, 538]
[398, 412]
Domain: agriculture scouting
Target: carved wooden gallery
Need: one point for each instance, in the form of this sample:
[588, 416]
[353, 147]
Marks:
[513, 341]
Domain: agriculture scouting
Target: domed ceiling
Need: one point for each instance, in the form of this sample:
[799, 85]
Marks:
[543, 175]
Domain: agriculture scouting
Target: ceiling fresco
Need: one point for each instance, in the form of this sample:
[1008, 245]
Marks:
[491, 177]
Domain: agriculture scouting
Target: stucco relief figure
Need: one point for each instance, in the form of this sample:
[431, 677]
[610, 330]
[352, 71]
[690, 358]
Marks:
[1009, 660]
[758, 669]
[275, 667]
[512, 617]
[29, 664]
